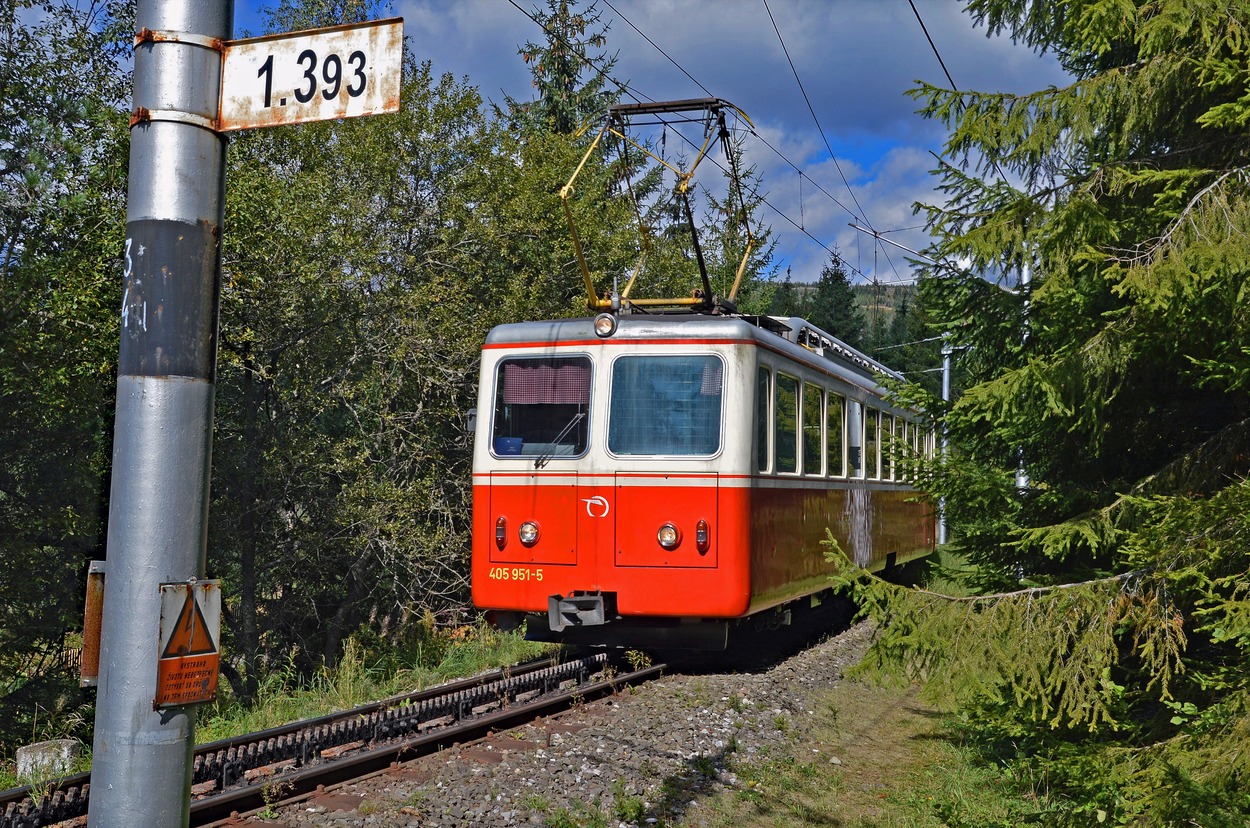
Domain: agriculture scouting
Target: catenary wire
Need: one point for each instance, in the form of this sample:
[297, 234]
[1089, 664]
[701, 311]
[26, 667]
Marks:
[816, 120]
[811, 109]
[946, 72]
[755, 133]
[643, 35]
[639, 97]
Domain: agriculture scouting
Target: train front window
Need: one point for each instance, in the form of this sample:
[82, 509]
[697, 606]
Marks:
[668, 405]
[542, 406]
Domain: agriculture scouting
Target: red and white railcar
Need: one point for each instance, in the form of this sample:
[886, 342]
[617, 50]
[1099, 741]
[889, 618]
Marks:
[657, 484]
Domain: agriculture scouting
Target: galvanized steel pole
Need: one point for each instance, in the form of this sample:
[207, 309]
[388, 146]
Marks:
[947, 350]
[158, 511]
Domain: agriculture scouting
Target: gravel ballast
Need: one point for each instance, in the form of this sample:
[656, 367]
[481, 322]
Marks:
[644, 756]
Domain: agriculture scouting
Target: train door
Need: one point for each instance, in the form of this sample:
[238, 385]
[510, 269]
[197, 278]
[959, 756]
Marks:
[546, 502]
[540, 422]
[665, 422]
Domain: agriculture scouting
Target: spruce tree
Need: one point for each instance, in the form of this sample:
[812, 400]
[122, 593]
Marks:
[1119, 381]
[569, 77]
[832, 307]
[786, 300]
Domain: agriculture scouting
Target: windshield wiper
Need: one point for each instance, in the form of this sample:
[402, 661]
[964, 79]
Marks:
[546, 456]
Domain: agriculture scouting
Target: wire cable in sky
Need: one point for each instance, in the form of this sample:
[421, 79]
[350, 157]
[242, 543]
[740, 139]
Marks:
[821, 130]
[708, 92]
[812, 110]
[932, 45]
[801, 225]
[946, 72]
[643, 35]
[639, 96]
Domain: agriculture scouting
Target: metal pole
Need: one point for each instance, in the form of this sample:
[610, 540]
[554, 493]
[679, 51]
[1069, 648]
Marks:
[946, 395]
[158, 509]
[1022, 472]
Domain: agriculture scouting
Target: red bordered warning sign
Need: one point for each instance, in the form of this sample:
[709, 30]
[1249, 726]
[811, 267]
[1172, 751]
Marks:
[190, 650]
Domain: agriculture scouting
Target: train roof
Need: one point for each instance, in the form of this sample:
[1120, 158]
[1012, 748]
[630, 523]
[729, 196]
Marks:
[767, 330]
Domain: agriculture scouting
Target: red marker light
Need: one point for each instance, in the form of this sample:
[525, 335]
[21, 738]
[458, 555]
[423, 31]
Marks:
[702, 537]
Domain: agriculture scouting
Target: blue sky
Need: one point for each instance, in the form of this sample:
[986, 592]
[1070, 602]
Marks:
[854, 58]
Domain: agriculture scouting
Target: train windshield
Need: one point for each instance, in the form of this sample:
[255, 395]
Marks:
[542, 406]
[669, 405]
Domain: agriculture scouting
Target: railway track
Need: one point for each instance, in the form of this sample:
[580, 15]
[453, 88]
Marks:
[235, 775]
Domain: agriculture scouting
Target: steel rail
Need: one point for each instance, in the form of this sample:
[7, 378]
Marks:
[214, 809]
[225, 763]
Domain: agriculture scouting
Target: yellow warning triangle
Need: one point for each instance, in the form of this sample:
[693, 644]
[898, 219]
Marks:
[190, 635]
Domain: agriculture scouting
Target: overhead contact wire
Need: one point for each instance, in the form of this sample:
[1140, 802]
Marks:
[806, 99]
[639, 97]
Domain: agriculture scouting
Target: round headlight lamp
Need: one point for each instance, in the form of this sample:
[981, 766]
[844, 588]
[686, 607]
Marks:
[668, 536]
[605, 325]
[528, 533]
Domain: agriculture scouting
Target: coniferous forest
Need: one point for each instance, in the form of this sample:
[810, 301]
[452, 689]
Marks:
[1095, 485]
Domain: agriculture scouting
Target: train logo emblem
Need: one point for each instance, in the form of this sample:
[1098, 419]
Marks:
[596, 502]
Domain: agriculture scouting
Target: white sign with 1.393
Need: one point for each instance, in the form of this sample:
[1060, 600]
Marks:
[316, 75]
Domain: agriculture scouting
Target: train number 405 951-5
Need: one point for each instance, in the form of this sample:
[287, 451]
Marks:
[515, 573]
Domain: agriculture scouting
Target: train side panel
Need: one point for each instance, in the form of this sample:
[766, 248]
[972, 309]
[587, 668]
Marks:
[788, 532]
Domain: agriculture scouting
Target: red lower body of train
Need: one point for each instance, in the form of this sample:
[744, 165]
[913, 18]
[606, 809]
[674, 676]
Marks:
[765, 548]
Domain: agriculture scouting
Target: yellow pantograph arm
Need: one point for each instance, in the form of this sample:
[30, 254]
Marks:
[713, 129]
[566, 193]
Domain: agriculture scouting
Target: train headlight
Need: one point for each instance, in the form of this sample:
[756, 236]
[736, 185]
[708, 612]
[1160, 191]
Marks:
[528, 533]
[668, 536]
[501, 532]
[702, 537]
[605, 325]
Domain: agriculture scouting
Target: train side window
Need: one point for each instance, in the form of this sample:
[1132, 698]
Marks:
[786, 422]
[542, 406]
[813, 440]
[887, 446]
[872, 468]
[666, 405]
[905, 454]
[900, 449]
[763, 423]
[835, 435]
[913, 457]
[855, 438]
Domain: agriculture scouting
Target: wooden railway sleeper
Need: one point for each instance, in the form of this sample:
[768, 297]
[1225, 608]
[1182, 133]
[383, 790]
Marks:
[62, 805]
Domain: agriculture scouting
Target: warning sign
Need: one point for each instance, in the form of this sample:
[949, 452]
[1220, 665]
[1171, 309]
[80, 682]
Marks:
[190, 643]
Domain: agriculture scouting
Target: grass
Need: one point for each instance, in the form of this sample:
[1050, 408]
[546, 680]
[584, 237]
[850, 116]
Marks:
[440, 656]
[284, 697]
[8, 772]
[870, 756]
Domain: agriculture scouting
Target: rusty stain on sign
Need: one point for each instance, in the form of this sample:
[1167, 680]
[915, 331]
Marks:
[315, 75]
